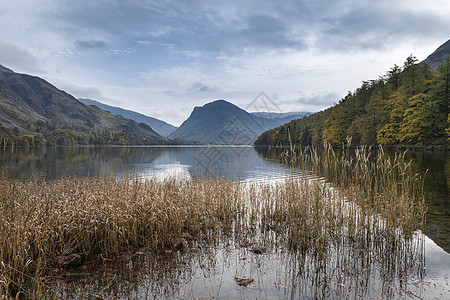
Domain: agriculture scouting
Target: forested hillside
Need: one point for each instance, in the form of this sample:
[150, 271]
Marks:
[409, 106]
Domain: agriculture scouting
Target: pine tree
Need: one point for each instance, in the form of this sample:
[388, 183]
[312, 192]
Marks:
[437, 101]
[413, 79]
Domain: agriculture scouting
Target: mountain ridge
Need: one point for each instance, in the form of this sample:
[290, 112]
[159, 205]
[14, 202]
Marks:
[34, 110]
[159, 126]
[439, 55]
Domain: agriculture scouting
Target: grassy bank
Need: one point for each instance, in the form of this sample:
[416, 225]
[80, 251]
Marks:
[373, 209]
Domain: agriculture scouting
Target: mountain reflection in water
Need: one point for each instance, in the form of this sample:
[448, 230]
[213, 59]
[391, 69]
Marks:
[211, 271]
[235, 163]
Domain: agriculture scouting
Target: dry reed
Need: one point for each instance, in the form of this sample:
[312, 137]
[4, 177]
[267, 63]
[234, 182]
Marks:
[373, 207]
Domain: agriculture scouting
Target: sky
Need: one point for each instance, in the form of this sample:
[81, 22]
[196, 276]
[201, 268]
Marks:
[163, 58]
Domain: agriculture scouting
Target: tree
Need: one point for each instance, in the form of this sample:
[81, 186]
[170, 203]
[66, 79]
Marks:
[414, 127]
[394, 110]
[437, 104]
[393, 77]
[413, 77]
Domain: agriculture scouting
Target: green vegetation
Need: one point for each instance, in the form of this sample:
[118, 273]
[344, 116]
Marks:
[71, 136]
[408, 106]
[367, 221]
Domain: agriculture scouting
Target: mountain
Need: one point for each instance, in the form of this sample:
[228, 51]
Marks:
[159, 126]
[225, 123]
[32, 109]
[438, 57]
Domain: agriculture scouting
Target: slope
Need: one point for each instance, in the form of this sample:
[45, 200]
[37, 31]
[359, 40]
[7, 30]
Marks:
[438, 57]
[157, 125]
[38, 109]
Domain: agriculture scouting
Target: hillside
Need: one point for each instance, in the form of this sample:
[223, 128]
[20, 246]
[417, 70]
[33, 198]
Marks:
[408, 106]
[161, 127]
[438, 57]
[225, 123]
[32, 111]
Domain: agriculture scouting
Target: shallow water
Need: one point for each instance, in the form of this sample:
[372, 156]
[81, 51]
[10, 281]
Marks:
[210, 272]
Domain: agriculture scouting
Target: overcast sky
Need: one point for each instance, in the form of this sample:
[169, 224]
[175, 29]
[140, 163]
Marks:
[162, 58]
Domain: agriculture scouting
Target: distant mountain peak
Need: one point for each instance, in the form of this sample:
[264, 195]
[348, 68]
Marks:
[223, 122]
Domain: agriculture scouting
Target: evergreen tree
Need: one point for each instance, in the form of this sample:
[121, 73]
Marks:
[393, 77]
[437, 104]
[412, 77]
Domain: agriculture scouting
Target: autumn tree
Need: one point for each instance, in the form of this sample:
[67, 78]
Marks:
[394, 111]
[414, 126]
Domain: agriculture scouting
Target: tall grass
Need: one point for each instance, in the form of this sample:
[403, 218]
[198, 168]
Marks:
[42, 220]
[373, 207]
[377, 182]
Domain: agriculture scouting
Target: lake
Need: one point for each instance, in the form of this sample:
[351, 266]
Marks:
[210, 273]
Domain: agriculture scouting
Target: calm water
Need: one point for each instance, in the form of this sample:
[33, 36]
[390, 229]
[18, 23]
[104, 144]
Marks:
[210, 273]
[236, 163]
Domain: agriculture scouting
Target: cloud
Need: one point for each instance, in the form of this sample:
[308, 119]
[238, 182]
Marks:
[156, 43]
[268, 31]
[90, 44]
[309, 101]
[181, 54]
[19, 59]
[318, 98]
[202, 88]
[235, 26]
[377, 25]
[81, 91]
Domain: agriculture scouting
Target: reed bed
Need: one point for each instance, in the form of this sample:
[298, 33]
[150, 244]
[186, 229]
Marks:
[372, 208]
[373, 180]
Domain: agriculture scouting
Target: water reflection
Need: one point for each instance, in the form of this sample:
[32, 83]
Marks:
[434, 167]
[211, 272]
[54, 162]
[235, 163]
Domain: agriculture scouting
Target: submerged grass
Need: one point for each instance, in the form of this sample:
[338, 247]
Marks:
[369, 215]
